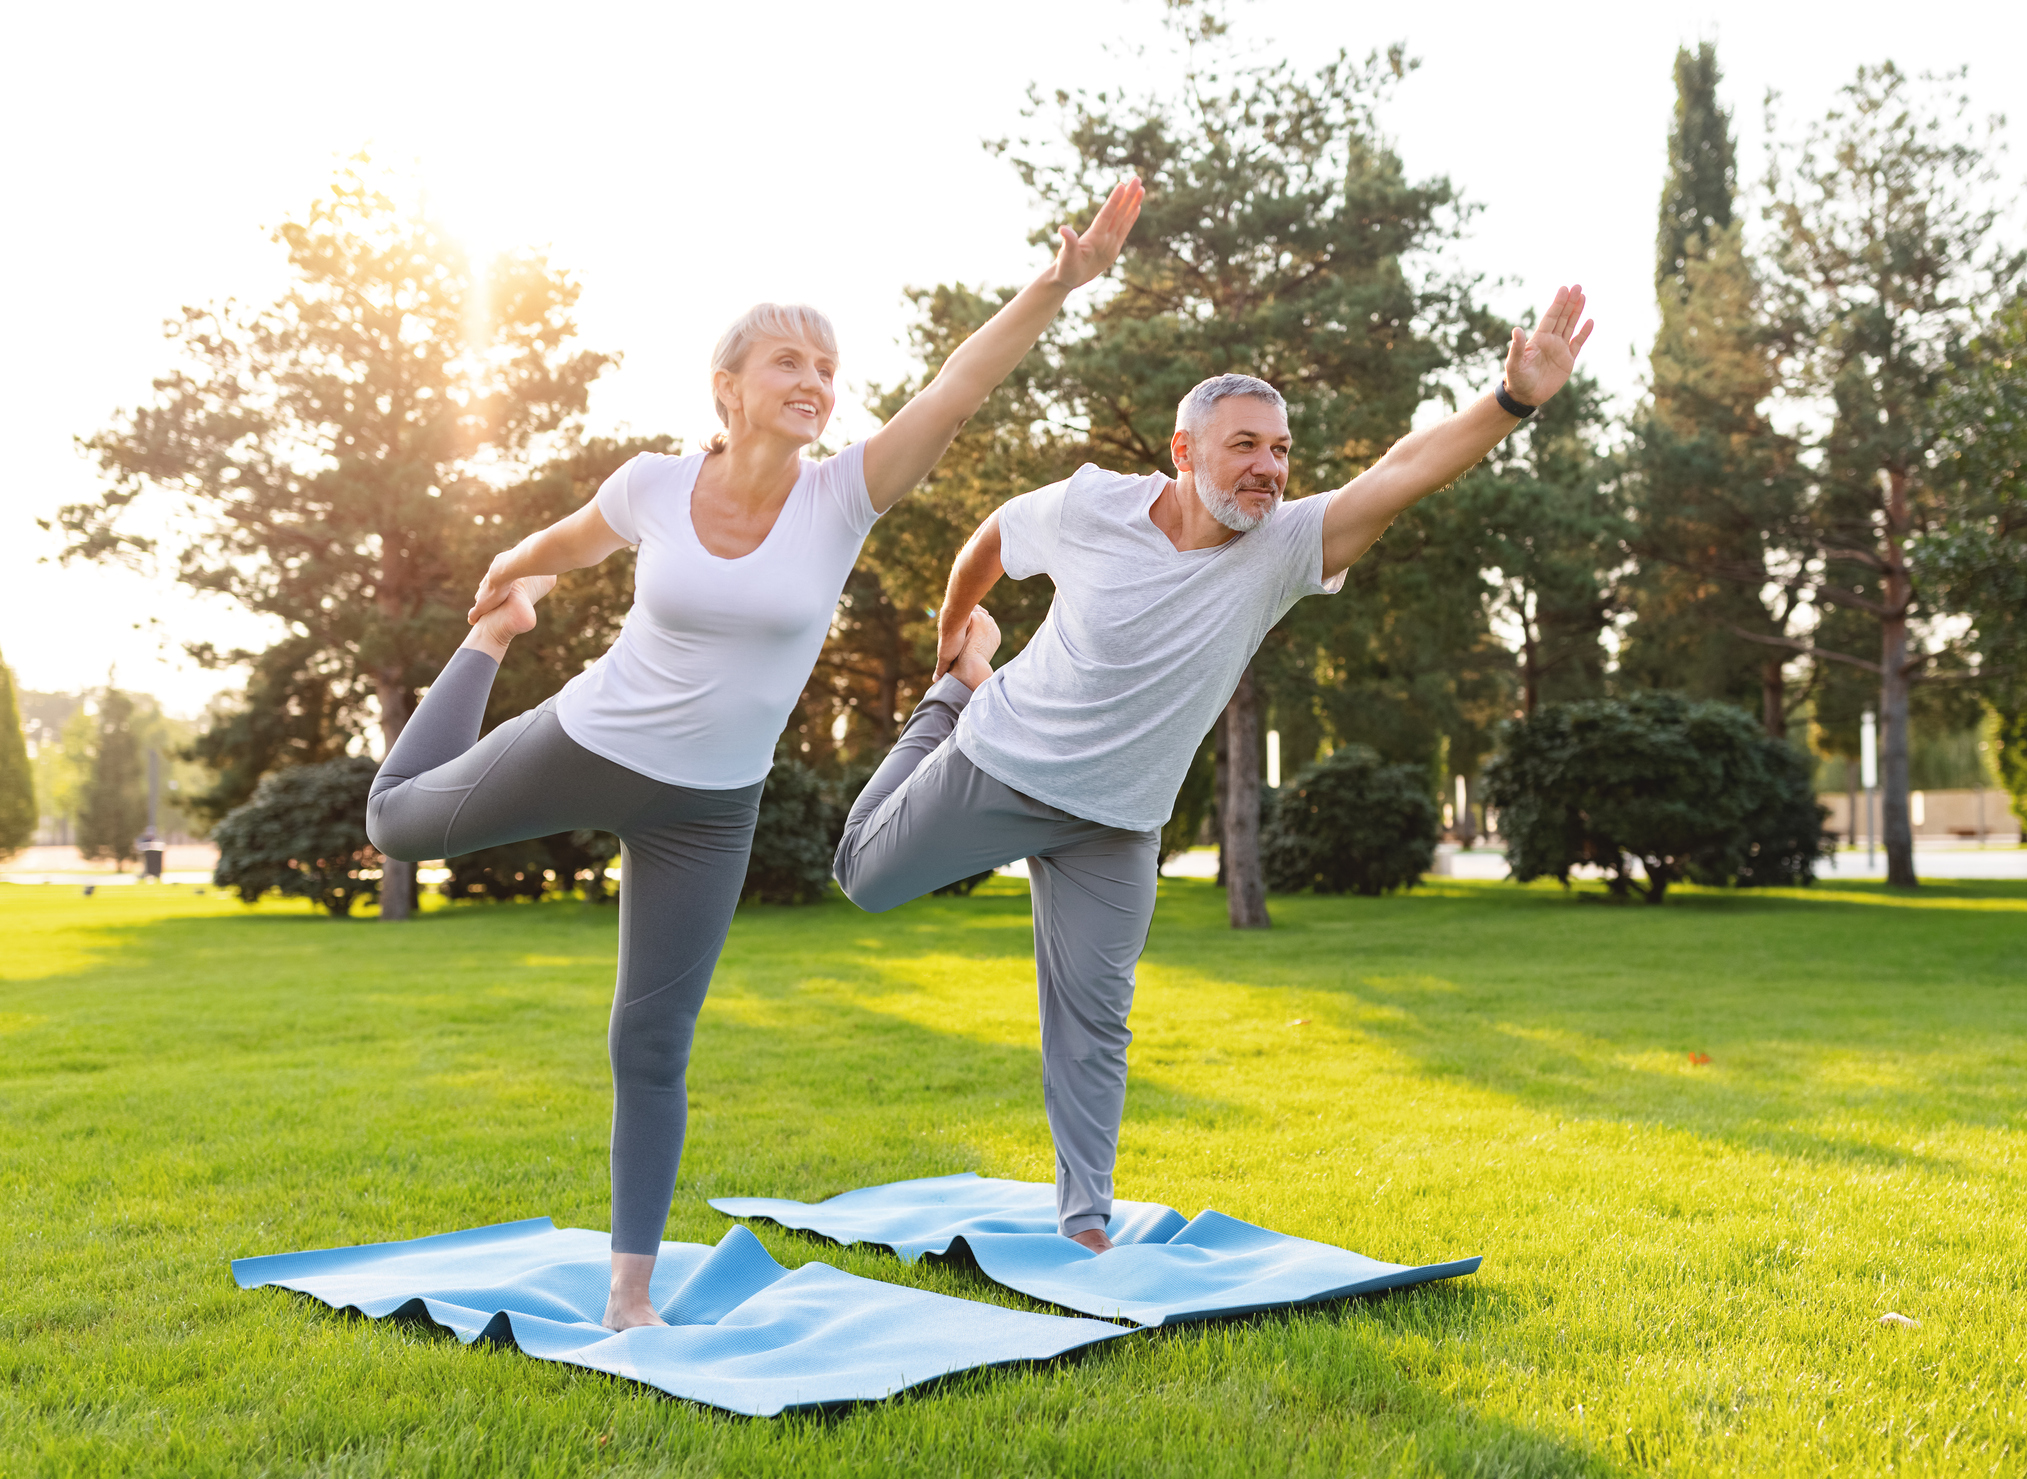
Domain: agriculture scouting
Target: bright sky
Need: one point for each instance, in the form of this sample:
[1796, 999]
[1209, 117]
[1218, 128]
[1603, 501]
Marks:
[686, 161]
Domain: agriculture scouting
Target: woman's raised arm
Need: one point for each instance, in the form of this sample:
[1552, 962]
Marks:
[571, 543]
[900, 454]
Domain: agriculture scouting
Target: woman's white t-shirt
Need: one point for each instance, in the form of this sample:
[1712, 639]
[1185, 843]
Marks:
[714, 652]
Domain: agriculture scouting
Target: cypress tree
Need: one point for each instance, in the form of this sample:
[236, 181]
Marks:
[17, 780]
[1702, 182]
[1712, 493]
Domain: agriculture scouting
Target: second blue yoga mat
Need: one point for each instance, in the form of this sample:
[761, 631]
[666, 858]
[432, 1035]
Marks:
[1161, 1270]
[744, 1333]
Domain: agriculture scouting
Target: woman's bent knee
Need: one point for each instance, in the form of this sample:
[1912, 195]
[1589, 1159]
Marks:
[404, 844]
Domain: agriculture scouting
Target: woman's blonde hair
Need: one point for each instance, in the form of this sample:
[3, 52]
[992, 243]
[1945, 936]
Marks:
[766, 321]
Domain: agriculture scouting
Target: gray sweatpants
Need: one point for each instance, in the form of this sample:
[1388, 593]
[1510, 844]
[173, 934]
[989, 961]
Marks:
[930, 817]
[443, 791]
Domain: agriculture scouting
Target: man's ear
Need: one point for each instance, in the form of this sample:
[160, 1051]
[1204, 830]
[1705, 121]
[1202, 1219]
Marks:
[1178, 449]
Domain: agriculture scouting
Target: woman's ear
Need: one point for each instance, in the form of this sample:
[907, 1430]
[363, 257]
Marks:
[725, 390]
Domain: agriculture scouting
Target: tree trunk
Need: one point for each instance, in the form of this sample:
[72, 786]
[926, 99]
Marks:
[1245, 889]
[1897, 831]
[1773, 698]
[397, 879]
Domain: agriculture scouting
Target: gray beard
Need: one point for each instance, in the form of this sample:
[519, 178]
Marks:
[1223, 505]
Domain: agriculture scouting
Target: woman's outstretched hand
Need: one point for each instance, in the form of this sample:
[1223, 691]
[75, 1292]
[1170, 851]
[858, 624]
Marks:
[1082, 258]
[1538, 364]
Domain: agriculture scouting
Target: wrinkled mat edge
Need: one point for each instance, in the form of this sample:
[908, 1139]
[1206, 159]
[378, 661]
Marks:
[498, 1329]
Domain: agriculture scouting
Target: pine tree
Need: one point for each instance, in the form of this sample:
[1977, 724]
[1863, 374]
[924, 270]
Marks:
[17, 780]
[114, 806]
[1887, 259]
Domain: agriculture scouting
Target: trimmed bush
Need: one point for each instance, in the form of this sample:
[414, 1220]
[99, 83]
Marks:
[795, 837]
[1688, 789]
[304, 834]
[1351, 824]
[527, 870]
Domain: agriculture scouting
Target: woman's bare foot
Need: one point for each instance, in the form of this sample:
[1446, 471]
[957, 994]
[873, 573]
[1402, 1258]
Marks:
[981, 641]
[629, 1303]
[1093, 1238]
[492, 632]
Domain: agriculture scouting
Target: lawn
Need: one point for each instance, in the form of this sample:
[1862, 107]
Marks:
[1685, 1260]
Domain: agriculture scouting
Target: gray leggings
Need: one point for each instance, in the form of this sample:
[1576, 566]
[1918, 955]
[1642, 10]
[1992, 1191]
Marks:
[929, 817]
[443, 791]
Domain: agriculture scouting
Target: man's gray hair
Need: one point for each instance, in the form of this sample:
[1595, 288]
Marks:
[1193, 412]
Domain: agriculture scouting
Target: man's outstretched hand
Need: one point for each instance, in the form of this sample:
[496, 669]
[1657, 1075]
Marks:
[1538, 364]
[1082, 258]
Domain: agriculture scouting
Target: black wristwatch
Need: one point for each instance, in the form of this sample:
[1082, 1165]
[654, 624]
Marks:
[1511, 406]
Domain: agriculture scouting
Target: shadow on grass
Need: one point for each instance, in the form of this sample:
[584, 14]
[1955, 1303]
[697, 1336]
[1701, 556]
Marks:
[1754, 1019]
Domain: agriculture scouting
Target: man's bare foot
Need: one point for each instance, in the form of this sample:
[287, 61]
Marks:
[629, 1304]
[981, 641]
[1093, 1238]
[492, 632]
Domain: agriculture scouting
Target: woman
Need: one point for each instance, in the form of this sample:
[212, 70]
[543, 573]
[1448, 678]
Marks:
[666, 740]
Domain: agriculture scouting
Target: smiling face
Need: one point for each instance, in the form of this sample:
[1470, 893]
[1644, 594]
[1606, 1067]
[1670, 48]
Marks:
[1239, 464]
[783, 387]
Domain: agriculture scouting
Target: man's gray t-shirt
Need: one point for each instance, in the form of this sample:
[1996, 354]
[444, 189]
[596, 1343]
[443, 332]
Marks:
[1104, 710]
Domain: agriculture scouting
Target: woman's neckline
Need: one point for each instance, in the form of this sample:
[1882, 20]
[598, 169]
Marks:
[690, 513]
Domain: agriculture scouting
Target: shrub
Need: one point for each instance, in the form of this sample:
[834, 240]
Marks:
[795, 838]
[1351, 824]
[304, 833]
[1690, 790]
[527, 870]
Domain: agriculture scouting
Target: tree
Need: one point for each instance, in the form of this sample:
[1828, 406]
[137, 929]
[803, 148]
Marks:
[304, 834]
[17, 779]
[1884, 263]
[113, 807]
[1974, 563]
[1711, 491]
[1282, 237]
[333, 457]
[1686, 789]
[1550, 538]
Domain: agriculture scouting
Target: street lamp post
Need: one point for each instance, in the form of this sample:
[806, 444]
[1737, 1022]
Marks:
[1868, 765]
[149, 843]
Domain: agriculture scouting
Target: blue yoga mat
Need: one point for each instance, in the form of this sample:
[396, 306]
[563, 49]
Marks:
[744, 1333]
[1161, 1269]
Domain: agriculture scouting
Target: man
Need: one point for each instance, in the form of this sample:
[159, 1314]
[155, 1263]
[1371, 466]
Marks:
[1071, 755]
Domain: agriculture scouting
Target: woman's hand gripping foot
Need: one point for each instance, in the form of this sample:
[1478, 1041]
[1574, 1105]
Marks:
[629, 1303]
[514, 615]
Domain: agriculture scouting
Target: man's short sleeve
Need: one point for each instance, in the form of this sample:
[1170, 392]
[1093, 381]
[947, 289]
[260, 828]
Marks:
[1028, 526]
[1302, 569]
[615, 503]
[844, 478]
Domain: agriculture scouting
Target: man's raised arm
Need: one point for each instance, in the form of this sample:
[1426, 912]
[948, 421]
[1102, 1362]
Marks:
[1537, 365]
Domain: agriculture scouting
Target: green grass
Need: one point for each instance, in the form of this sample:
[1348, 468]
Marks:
[1685, 1263]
